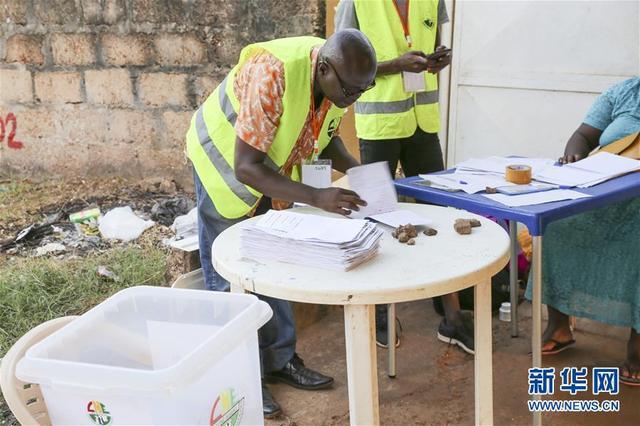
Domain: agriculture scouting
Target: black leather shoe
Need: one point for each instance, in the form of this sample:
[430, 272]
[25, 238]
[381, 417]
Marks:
[297, 375]
[270, 408]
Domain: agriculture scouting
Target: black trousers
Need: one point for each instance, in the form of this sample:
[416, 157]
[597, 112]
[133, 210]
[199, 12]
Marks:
[419, 153]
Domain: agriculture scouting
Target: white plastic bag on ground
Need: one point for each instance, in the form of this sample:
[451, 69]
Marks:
[186, 225]
[122, 223]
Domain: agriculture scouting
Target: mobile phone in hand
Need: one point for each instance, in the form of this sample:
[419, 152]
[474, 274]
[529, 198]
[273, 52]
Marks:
[439, 54]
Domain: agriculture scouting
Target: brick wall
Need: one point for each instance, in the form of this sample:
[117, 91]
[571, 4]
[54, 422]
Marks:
[102, 87]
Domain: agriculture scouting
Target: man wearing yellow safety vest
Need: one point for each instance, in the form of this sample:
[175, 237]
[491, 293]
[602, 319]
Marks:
[398, 120]
[279, 107]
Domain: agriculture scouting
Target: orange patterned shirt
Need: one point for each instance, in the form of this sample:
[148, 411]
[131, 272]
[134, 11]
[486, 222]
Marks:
[259, 88]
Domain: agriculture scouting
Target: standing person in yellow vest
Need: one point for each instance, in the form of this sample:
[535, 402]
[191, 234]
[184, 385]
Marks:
[398, 120]
[279, 107]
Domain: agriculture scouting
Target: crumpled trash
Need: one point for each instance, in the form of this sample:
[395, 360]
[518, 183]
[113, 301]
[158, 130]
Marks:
[122, 223]
[51, 248]
[104, 272]
[29, 236]
[164, 212]
[85, 215]
[186, 225]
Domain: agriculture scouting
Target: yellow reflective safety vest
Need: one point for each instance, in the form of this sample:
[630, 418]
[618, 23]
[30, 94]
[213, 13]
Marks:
[211, 137]
[387, 111]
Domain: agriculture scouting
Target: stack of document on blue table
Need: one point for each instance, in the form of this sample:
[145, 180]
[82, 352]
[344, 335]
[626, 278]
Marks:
[588, 172]
[476, 174]
[310, 240]
[497, 165]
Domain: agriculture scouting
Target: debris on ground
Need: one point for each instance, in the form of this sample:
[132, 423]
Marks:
[33, 215]
[166, 211]
[85, 215]
[123, 224]
[50, 248]
[186, 225]
[104, 272]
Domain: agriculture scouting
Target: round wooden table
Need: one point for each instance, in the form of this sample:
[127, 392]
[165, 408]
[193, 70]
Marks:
[434, 266]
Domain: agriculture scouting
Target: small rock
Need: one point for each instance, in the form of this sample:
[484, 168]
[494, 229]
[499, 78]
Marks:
[462, 226]
[491, 190]
[411, 242]
[474, 223]
[430, 232]
[403, 237]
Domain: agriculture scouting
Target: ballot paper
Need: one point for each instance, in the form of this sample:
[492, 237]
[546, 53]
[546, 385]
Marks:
[471, 183]
[536, 197]
[373, 183]
[591, 171]
[310, 240]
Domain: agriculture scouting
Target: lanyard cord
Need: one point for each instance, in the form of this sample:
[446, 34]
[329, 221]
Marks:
[405, 23]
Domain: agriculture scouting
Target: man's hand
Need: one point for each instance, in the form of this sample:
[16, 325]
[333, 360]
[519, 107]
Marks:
[412, 61]
[337, 200]
[437, 64]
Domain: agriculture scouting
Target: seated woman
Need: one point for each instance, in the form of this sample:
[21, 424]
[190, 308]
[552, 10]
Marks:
[591, 262]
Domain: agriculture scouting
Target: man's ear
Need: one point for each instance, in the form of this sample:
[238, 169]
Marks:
[323, 68]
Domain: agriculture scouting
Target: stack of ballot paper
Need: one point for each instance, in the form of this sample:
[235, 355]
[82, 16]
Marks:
[588, 172]
[310, 240]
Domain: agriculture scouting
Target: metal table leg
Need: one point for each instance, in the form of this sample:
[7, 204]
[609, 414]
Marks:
[391, 340]
[536, 306]
[513, 276]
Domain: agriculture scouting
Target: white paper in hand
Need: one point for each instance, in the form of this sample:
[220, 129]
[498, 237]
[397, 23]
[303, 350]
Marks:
[373, 183]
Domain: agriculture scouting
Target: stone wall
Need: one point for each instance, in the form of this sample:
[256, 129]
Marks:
[107, 87]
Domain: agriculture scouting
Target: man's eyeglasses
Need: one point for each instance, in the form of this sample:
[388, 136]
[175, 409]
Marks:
[344, 91]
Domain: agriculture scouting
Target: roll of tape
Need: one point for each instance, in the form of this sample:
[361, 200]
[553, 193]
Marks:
[519, 174]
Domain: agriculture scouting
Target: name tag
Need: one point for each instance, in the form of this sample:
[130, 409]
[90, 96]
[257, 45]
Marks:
[317, 174]
[414, 81]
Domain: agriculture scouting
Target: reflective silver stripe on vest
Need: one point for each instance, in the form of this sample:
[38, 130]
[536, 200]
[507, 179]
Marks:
[230, 113]
[221, 165]
[225, 103]
[395, 107]
[392, 107]
[424, 98]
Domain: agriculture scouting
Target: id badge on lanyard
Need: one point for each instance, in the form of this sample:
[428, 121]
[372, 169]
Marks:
[316, 172]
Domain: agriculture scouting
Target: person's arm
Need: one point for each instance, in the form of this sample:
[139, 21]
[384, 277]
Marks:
[412, 61]
[580, 144]
[340, 158]
[587, 136]
[437, 65]
[250, 170]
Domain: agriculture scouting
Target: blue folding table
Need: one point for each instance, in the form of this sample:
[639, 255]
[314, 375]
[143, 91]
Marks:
[536, 218]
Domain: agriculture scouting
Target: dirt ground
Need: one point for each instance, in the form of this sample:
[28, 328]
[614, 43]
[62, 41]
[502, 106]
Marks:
[434, 383]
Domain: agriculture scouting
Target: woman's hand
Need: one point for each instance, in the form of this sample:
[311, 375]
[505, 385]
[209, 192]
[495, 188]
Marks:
[580, 144]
